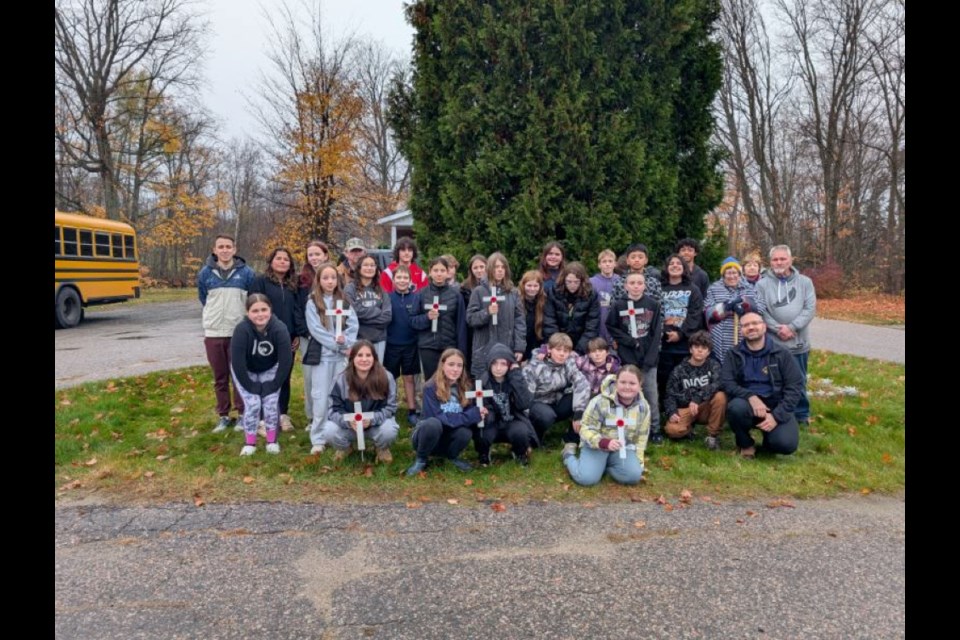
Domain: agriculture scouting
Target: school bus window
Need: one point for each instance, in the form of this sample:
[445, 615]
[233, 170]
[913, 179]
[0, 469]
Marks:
[103, 244]
[128, 243]
[57, 248]
[69, 242]
[117, 241]
[86, 243]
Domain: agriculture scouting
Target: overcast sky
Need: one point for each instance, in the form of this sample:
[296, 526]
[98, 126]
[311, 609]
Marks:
[238, 45]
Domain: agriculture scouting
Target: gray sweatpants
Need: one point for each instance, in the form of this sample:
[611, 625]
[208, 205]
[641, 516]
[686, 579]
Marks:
[253, 404]
[321, 384]
[307, 381]
[382, 436]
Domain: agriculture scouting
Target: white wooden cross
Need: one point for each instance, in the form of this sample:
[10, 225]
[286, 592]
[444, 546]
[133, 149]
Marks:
[436, 306]
[479, 394]
[492, 299]
[339, 313]
[358, 417]
[621, 423]
[631, 313]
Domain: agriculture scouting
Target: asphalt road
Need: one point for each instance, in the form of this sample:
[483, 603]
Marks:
[824, 569]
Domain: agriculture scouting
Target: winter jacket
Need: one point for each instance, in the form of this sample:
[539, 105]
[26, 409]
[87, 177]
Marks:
[785, 380]
[644, 350]
[595, 374]
[651, 279]
[597, 434]
[400, 332]
[573, 315]
[341, 406]
[510, 330]
[255, 352]
[451, 326]
[373, 311]
[323, 345]
[511, 397]
[688, 384]
[549, 381]
[223, 294]
[681, 301]
[726, 332]
[450, 414]
[418, 279]
[604, 287]
[791, 301]
[286, 305]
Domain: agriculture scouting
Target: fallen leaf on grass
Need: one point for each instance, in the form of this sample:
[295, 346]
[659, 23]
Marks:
[686, 496]
[498, 507]
[90, 462]
[247, 479]
[72, 485]
[865, 491]
[197, 500]
[414, 505]
[111, 387]
[177, 409]
[852, 431]
[467, 482]
[668, 507]
[422, 474]
[661, 500]
[566, 487]
[886, 458]
[148, 474]
[452, 501]
[637, 499]
[368, 472]
[161, 458]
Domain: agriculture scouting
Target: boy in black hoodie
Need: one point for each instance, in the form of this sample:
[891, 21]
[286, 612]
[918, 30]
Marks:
[642, 347]
[505, 421]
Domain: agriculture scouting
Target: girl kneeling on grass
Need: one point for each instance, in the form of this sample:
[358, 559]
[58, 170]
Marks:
[367, 382]
[444, 428]
[261, 359]
[620, 401]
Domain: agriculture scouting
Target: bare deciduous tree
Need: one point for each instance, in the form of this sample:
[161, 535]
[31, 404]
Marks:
[101, 46]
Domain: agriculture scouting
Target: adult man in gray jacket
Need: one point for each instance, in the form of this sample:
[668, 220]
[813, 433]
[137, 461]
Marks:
[790, 305]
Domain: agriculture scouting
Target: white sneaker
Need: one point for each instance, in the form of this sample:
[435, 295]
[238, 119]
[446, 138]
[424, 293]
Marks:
[262, 429]
[238, 425]
[222, 424]
[273, 447]
[317, 449]
[285, 423]
[248, 450]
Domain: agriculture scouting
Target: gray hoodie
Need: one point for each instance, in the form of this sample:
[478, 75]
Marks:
[791, 301]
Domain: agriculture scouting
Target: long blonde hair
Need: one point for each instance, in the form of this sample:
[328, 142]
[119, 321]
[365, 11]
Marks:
[463, 383]
[317, 293]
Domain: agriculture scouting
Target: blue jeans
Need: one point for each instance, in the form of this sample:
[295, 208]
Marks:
[802, 411]
[588, 468]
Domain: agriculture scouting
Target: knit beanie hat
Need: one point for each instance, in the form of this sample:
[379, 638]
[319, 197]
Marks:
[730, 263]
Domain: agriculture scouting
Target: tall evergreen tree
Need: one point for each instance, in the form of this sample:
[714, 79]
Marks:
[583, 121]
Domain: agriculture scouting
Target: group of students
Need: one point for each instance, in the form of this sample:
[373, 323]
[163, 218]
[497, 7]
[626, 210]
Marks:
[500, 362]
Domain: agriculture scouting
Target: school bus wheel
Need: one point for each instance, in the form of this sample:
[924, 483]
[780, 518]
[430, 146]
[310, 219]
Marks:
[69, 310]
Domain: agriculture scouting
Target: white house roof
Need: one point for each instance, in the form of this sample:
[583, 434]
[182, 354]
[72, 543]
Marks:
[398, 218]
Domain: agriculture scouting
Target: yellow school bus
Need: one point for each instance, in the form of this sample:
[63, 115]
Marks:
[96, 263]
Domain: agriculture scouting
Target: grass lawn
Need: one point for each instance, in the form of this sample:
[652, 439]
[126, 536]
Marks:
[148, 439]
[147, 296]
